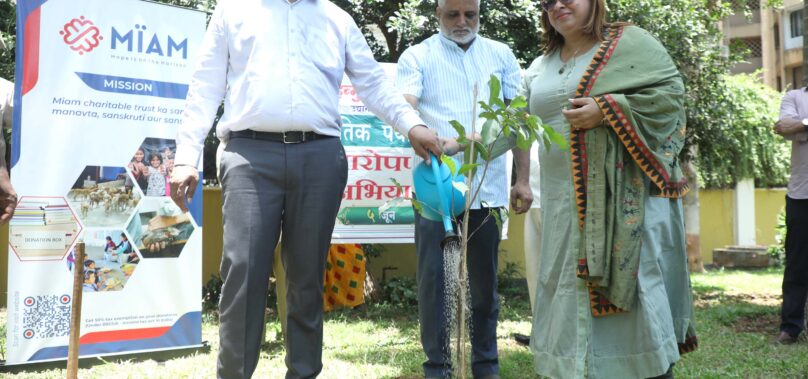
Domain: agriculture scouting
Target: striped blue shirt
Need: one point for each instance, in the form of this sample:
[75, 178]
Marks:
[442, 76]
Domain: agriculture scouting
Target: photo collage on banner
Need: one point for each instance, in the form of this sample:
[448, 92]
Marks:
[99, 95]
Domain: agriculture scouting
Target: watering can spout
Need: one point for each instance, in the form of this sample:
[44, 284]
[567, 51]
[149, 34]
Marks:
[451, 238]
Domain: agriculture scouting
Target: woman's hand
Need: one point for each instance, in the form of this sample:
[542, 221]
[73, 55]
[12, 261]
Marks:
[585, 114]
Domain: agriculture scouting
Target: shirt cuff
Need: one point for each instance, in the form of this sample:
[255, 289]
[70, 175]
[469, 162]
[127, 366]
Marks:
[408, 121]
[187, 155]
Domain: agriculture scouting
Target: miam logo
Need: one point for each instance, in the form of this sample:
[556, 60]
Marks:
[81, 35]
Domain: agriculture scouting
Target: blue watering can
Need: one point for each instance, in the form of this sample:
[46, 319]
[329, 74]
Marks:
[441, 201]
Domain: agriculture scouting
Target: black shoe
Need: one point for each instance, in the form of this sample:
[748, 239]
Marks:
[786, 339]
[522, 339]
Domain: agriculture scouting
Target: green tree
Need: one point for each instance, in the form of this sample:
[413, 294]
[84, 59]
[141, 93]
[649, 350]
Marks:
[729, 139]
[392, 26]
[689, 29]
[8, 22]
[746, 147]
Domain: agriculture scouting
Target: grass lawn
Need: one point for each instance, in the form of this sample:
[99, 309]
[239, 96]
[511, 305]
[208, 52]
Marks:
[737, 319]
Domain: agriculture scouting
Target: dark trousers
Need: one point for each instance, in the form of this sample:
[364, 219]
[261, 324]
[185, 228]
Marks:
[268, 188]
[482, 272]
[795, 279]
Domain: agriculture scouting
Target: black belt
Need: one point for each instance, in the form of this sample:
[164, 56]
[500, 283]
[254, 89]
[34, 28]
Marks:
[285, 137]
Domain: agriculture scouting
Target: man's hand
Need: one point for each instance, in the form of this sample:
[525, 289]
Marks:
[450, 146]
[424, 141]
[521, 197]
[788, 126]
[8, 197]
[585, 113]
[183, 184]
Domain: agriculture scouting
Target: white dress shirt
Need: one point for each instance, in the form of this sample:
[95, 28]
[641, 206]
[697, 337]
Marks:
[6, 103]
[278, 66]
[442, 76]
[795, 106]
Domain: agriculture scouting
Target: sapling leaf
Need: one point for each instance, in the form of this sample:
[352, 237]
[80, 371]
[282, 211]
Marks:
[497, 218]
[489, 132]
[418, 206]
[395, 202]
[490, 115]
[481, 149]
[499, 103]
[494, 87]
[458, 127]
[523, 139]
[460, 186]
[467, 167]
[449, 162]
[555, 137]
[519, 102]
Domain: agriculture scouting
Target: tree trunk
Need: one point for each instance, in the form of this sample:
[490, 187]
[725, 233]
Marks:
[371, 289]
[692, 222]
[391, 39]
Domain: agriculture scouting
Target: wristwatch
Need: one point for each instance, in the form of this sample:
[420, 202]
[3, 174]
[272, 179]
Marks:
[805, 124]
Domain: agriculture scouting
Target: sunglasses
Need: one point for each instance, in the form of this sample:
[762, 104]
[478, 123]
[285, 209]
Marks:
[549, 4]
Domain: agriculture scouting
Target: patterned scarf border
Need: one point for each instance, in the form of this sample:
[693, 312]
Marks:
[640, 152]
[577, 137]
[691, 344]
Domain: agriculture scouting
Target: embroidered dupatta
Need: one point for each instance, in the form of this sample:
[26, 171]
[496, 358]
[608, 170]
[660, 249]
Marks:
[638, 88]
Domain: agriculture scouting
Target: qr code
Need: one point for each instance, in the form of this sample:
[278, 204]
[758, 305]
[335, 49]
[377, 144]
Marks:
[46, 316]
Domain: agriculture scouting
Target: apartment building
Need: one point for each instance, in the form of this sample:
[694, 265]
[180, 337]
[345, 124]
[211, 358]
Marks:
[774, 39]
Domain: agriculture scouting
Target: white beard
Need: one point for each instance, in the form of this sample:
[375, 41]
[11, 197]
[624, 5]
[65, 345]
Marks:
[460, 40]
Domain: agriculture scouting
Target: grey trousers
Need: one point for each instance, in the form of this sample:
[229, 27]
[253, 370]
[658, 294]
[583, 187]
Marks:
[268, 188]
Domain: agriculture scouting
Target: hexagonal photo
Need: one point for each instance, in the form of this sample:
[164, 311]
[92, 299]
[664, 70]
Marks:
[103, 196]
[151, 165]
[159, 229]
[43, 228]
[109, 260]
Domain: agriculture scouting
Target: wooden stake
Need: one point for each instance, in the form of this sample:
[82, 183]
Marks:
[461, 301]
[75, 318]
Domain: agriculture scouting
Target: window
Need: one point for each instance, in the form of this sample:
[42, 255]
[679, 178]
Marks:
[796, 23]
[752, 45]
[748, 5]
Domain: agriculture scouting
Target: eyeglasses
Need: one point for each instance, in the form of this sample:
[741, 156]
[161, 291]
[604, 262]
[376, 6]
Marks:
[549, 4]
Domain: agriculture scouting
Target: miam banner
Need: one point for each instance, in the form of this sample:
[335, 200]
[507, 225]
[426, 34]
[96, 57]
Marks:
[100, 90]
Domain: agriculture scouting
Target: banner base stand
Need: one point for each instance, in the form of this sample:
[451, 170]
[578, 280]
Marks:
[159, 356]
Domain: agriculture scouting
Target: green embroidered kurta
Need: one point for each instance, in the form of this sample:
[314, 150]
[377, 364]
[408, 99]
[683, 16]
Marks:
[568, 341]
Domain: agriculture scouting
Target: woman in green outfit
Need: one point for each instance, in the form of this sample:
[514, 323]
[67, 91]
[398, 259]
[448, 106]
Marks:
[613, 295]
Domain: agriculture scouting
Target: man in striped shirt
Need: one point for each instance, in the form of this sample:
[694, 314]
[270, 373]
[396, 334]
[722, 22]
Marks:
[437, 77]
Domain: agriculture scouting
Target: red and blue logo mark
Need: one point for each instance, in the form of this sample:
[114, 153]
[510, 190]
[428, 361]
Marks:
[81, 35]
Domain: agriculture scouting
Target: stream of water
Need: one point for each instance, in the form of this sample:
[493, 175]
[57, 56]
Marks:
[457, 307]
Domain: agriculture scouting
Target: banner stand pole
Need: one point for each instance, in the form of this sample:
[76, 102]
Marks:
[75, 318]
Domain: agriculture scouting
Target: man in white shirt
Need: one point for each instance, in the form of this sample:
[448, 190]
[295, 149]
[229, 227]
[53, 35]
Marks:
[277, 65]
[793, 125]
[437, 77]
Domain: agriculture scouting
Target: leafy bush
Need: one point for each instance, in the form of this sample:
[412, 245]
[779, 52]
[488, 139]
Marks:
[778, 250]
[211, 293]
[507, 277]
[401, 291]
[745, 146]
